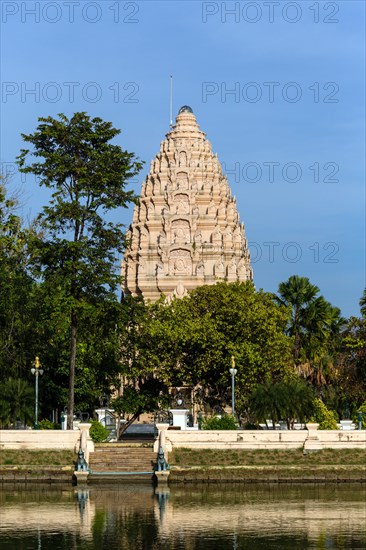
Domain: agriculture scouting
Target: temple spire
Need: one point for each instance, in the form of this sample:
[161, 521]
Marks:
[186, 230]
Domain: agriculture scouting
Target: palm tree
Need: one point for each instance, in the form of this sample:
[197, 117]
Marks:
[314, 324]
[363, 304]
[291, 400]
[264, 403]
[17, 401]
[296, 400]
[299, 294]
[4, 413]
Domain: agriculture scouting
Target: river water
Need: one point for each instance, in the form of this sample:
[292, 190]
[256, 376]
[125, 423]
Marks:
[194, 517]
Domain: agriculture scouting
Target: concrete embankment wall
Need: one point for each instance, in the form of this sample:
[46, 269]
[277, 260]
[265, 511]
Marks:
[40, 439]
[308, 440]
[266, 439]
[269, 474]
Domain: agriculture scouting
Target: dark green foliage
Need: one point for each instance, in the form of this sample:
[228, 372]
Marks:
[48, 425]
[16, 402]
[17, 290]
[315, 326]
[191, 341]
[98, 432]
[363, 304]
[87, 175]
[144, 396]
[350, 384]
[286, 400]
[226, 422]
[361, 409]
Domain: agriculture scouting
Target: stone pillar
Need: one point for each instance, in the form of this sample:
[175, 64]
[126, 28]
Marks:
[85, 441]
[347, 425]
[312, 442]
[180, 417]
[161, 439]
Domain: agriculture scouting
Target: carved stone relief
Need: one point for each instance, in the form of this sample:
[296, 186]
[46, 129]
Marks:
[181, 232]
[180, 262]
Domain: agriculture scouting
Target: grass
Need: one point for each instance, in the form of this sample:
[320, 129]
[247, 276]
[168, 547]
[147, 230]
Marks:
[22, 457]
[291, 457]
[204, 458]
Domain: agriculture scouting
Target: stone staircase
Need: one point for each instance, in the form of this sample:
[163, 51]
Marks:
[122, 462]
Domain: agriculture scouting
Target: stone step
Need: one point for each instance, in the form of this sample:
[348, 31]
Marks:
[101, 456]
[103, 464]
[121, 458]
[92, 461]
[137, 452]
[129, 478]
[122, 465]
[125, 445]
[112, 458]
[126, 470]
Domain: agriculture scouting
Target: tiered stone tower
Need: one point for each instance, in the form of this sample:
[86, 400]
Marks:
[185, 231]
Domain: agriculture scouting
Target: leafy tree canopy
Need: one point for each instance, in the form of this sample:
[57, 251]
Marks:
[191, 341]
[363, 304]
[17, 289]
[313, 322]
[87, 175]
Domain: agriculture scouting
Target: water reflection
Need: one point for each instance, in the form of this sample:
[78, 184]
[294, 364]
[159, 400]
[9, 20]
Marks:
[183, 517]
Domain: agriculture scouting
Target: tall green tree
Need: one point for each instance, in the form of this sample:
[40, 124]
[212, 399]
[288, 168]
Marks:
[363, 304]
[191, 340]
[314, 325]
[98, 357]
[87, 175]
[351, 366]
[17, 290]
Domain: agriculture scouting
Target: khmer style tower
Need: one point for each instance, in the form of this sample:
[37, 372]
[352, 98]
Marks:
[186, 230]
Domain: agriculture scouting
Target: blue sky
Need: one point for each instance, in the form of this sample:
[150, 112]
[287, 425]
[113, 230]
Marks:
[291, 134]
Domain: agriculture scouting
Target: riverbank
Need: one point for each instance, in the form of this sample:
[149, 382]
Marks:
[268, 474]
[205, 465]
[46, 466]
[287, 466]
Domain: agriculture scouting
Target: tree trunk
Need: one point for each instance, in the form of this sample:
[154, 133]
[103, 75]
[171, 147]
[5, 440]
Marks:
[128, 423]
[70, 404]
[118, 425]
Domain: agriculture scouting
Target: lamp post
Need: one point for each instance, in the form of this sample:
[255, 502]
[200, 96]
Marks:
[36, 371]
[359, 418]
[233, 372]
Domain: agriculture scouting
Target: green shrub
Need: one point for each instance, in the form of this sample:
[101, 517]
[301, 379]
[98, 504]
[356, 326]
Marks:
[326, 418]
[226, 422]
[250, 426]
[362, 409]
[98, 432]
[48, 425]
